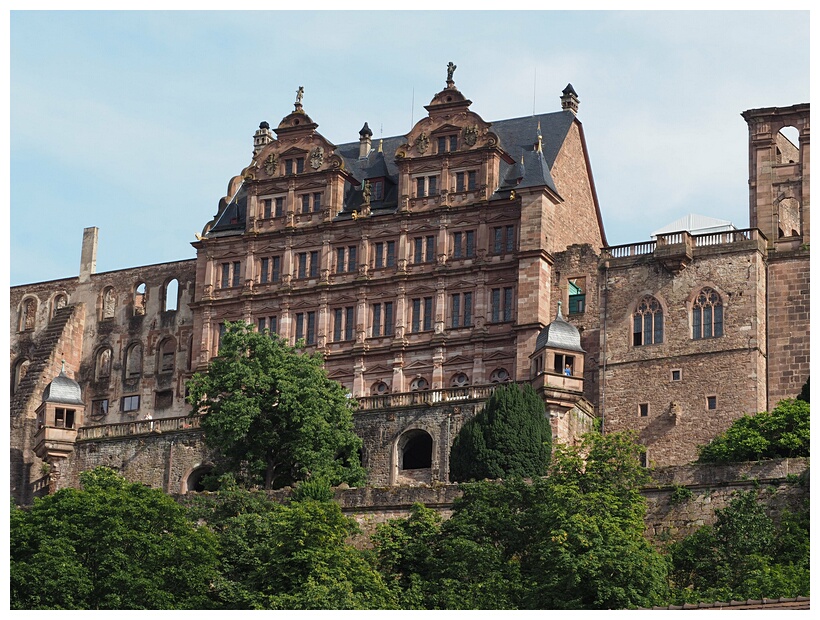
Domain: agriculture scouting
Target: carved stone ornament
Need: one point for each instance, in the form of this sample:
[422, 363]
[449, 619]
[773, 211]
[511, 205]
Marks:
[317, 156]
[471, 135]
[422, 143]
[270, 164]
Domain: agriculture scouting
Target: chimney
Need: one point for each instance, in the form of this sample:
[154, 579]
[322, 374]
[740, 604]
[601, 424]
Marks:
[262, 137]
[88, 258]
[364, 141]
[569, 99]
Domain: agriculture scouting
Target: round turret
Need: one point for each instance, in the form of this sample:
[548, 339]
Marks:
[559, 335]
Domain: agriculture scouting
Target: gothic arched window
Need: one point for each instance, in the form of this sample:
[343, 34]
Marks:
[707, 315]
[647, 324]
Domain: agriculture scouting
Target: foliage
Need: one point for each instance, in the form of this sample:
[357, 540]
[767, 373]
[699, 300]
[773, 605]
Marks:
[572, 540]
[293, 556]
[680, 495]
[273, 414]
[782, 432]
[743, 556]
[511, 436]
[112, 545]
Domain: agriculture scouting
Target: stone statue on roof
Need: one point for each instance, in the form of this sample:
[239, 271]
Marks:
[299, 94]
[451, 68]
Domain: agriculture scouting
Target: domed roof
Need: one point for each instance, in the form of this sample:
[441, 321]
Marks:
[559, 335]
[64, 390]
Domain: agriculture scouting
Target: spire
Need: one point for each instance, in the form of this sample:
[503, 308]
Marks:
[538, 148]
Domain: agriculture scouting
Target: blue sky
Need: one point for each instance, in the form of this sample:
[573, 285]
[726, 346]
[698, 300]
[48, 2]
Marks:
[134, 122]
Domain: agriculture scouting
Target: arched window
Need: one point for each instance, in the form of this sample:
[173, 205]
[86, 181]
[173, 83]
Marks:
[20, 370]
[499, 375]
[170, 296]
[60, 301]
[102, 366]
[140, 299]
[647, 322]
[28, 314]
[109, 303]
[416, 450]
[193, 483]
[379, 388]
[133, 361]
[459, 380]
[167, 354]
[418, 384]
[707, 315]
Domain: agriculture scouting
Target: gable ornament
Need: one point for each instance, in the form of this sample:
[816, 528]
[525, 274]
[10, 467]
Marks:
[422, 143]
[471, 135]
[270, 164]
[317, 156]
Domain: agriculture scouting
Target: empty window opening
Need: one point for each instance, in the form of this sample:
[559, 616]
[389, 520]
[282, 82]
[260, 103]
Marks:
[643, 410]
[171, 296]
[64, 418]
[133, 361]
[28, 315]
[20, 370]
[564, 365]
[167, 353]
[140, 299]
[195, 479]
[164, 399]
[60, 301]
[577, 295]
[99, 408]
[676, 374]
[711, 402]
[418, 451]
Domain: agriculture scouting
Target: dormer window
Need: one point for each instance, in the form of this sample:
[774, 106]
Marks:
[376, 189]
[447, 144]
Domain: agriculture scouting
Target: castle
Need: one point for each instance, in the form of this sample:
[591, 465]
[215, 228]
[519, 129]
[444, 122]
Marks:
[428, 268]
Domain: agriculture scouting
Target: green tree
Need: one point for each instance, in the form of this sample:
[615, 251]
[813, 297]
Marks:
[273, 414]
[511, 436]
[781, 432]
[743, 556]
[111, 545]
[571, 540]
[290, 556]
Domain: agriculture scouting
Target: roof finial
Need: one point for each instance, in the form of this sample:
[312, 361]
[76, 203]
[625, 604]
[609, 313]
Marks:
[451, 68]
[538, 144]
[300, 92]
[560, 316]
[62, 369]
[380, 145]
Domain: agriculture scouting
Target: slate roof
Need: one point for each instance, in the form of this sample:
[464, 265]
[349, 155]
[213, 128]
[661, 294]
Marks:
[63, 390]
[517, 136]
[559, 335]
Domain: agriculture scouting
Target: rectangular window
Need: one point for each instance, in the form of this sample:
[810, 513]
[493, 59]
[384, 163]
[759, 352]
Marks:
[495, 305]
[509, 234]
[420, 189]
[460, 182]
[164, 399]
[300, 325]
[288, 166]
[430, 249]
[469, 250]
[349, 323]
[643, 409]
[300, 165]
[226, 275]
[644, 459]
[263, 270]
[432, 186]
[352, 265]
[261, 325]
[676, 375]
[376, 320]
[428, 313]
[472, 175]
[236, 269]
[220, 334]
[306, 203]
[302, 265]
[317, 202]
[272, 325]
[279, 208]
[415, 321]
[388, 318]
[337, 325]
[577, 295]
[267, 203]
[377, 190]
[314, 264]
[442, 144]
[340, 260]
[391, 253]
[274, 275]
[453, 143]
[711, 402]
[468, 310]
[64, 418]
[418, 245]
[498, 239]
[378, 259]
[130, 403]
[508, 304]
[310, 337]
[455, 317]
[99, 407]
[457, 245]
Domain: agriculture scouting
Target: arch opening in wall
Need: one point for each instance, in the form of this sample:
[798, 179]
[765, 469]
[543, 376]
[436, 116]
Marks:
[416, 450]
[102, 364]
[109, 303]
[194, 481]
[170, 296]
[60, 301]
[788, 145]
[418, 384]
[28, 314]
[20, 370]
[133, 361]
[499, 375]
[140, 299]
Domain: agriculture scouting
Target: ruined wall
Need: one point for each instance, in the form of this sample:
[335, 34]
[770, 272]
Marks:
[788, 323]
[676, 380]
